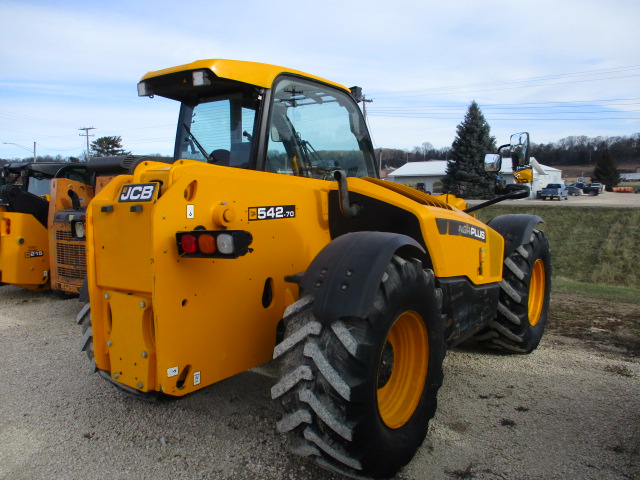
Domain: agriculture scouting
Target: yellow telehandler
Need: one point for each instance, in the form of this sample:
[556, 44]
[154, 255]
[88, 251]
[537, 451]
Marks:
[25, 200]
[271, 236]
[42, 214]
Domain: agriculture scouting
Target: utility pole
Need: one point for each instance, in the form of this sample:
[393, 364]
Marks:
[364, 107]
[86, 134]
[356, 92]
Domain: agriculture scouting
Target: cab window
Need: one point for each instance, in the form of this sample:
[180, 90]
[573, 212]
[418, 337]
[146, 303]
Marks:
[218, 130]
[315, 130]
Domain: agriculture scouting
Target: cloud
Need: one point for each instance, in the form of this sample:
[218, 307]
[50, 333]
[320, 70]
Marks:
[85, 58]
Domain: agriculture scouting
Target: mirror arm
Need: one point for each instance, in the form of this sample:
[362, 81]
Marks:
[513, 195]
[503, 146]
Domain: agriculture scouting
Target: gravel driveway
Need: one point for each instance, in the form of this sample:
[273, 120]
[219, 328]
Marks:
[565, 411]
[607, 199]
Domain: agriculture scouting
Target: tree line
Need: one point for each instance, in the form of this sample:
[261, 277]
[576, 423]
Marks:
[395, 157]
[465, 175]
[573, 150]
[583, 150]
[101, 147]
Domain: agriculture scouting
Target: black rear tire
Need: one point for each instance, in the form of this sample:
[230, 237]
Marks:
[524, 298]
[346, 386]
[86, 342]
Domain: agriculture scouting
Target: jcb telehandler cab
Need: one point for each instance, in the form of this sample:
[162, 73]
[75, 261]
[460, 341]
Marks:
[24, 217]
[271, 236]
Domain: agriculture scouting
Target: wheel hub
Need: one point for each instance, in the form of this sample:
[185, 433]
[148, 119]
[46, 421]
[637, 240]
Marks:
[402, 369]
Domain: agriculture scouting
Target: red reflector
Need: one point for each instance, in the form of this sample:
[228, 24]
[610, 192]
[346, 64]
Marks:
[206, 243]
[7, 226]
[189, 243]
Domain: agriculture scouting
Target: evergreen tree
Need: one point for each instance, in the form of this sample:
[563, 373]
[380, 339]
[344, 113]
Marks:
[606, 171]
[106, 146]
[465, 173]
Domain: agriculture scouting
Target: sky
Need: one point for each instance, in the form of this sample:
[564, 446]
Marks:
[552, 68]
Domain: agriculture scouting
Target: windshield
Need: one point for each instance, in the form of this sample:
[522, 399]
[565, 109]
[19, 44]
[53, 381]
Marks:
[315, 130]
[218, 130]
[39, 186]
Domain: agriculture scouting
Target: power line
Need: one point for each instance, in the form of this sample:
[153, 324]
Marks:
[484, 85]
[432, 117]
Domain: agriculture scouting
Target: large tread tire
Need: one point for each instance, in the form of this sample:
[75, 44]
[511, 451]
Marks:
[524, 298]
[86, 342]
[330, 376]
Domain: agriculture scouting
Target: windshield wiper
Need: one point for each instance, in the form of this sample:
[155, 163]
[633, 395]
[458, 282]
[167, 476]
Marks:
[311, 155]
[210, 158]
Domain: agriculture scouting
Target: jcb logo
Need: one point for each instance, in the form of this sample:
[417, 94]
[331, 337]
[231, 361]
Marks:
[141, 192]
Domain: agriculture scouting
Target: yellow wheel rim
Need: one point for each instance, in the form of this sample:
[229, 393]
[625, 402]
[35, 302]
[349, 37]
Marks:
[402, 386]
[536, 292]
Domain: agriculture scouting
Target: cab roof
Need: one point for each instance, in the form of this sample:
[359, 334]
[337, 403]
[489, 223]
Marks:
[46, 168]
[252, 73]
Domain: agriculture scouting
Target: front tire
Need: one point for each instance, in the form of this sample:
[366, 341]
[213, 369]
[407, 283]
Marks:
[524, 298]
[358, 393]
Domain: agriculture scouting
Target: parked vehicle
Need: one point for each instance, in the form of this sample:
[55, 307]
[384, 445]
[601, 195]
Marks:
[554, 190]
[24, 217]
[599, 186]
[586, 189]
[573, 191]
[629, 177]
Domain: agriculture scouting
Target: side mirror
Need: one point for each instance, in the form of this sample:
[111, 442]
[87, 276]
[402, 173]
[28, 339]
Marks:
[492, 162]
[520, 149]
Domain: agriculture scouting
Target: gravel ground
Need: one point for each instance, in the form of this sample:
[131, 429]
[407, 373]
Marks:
[566, 411]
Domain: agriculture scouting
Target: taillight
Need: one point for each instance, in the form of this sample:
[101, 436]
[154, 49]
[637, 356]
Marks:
[225, 243]
[214, 243]
[207, 243]
[189, 243]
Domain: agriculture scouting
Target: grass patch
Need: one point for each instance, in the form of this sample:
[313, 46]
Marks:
[598, 245]
[596, 290]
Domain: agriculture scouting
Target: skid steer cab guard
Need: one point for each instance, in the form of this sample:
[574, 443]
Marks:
[24, 212]
[271, 236]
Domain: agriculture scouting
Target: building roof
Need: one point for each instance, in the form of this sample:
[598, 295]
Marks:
[421, 169]
[437, 168]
